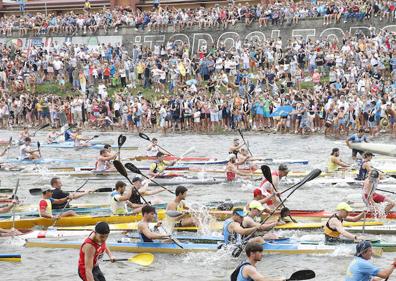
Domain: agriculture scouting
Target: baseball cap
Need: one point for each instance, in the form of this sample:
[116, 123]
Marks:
[361, 247]
[49, 189]
[231, 156]
[256, 205]
[257, 192]
[344, 207]
[283, 167]
[239, 212]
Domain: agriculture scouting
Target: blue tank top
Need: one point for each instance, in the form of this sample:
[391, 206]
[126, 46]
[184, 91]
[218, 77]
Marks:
[68, 135]
[144, 238]
[240, 276]
[230, 237]
[362, 172]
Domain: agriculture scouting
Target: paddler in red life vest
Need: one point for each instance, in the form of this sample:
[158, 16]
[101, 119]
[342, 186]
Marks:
[103, 162]
[253, 219]
[333, 230]
[267, 189]
[91, 252]
[159, 166]
[371, 197]
[232, 169]
[45, 205]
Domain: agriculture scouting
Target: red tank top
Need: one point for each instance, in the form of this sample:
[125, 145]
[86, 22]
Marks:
[99, 250]
[230, 176]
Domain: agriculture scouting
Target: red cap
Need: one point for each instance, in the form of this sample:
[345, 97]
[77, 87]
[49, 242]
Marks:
[257, 192]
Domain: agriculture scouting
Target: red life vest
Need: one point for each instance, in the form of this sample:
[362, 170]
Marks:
[99, 250]
[230, 176]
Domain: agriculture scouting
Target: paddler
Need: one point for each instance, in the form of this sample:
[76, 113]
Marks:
[232, 169]
[79, 140]
[58, 193]
[258, 196]
[177, 206]
[247, 271]
[365, 166]
[145, 233]
[356, 138]
[159, 166]
[26, 152]
[24, 134]
[153, 149]
[8, 207]
[370, 196]
[142, 187]
[334, 229]
[235, 147]
[68, 133]
[335, 163]
[233, 230]
[45, 205]
[53, 136]
[253, 218]
[360, 269]
[91, 252]
[244, 158]
[103, 163]
[120, 200]
[267, 189]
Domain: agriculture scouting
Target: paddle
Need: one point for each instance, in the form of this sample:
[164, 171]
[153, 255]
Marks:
[121, 141]
[6, 190]
[64, 207]
[146, 137]
[121, 169]
[35, 191]
[243, 138]
[312, 175]
[302, 275]
[38, 148]
[42, 127]
[136, 170]
[13, 208]
[8, 146]
[268, 176]
[386, 191]
[144, 259]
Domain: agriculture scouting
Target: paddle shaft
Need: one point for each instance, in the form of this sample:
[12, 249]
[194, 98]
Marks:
[67, 203]
[243, 138]
[42, 127]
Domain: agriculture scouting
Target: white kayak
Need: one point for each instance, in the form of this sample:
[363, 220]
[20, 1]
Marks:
[377, 148]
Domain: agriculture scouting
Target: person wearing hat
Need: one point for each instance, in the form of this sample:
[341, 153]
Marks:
[92, 251]
[370, 196]
[141, 189]
[232, 169]
[145, 233]
[268, 189]
[335, 163]
[45, 205]
[253, 218]
[333, 230]
[235, 147]
[119, 201]
[360, 269]
[365, 167]
[232, 229]
[258, 196]
[26, 152]
[103, 162]
[359, 137]
[159, 166]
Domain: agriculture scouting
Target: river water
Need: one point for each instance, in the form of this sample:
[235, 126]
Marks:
[61, 265]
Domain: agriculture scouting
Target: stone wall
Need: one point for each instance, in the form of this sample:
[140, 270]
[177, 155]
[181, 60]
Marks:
[312, 28]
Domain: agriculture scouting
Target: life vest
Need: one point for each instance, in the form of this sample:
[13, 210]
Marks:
[99, 250]
[236, 275]
[228, 236]
[329, 231]
[331, 166]
[363, 173]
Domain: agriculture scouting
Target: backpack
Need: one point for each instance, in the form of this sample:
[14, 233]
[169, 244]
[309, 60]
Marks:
[234, 274]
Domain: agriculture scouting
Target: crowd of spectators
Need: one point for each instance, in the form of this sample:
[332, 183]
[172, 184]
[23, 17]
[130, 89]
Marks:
[332, 86]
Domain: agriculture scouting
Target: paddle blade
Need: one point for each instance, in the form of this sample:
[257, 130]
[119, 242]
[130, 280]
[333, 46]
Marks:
[133, 168]
[119, 140]
[267, 173]
[120, 168]
[173, 214]
[144, 136]
[104, 189]
[144, 259]
[95, 136]
[313, 175]
[38, 145]
[35, 191]
[302, 275]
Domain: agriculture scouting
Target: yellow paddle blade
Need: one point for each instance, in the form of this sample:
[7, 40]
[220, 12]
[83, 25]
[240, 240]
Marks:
[144, 259]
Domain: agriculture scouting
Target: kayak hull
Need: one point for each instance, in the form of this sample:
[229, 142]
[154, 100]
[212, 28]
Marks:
[10, 258]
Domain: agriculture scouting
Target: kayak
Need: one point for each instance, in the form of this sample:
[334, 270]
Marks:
[281, 247]
[80, 220]
[41, 161]
[64, 145]
[83, 174]
[375, 229]
[218, 226]
[377, 148]
[171, 158]
[268, 161]
[90, 168]
[50, 233]
[10, 257]
[80, 211]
